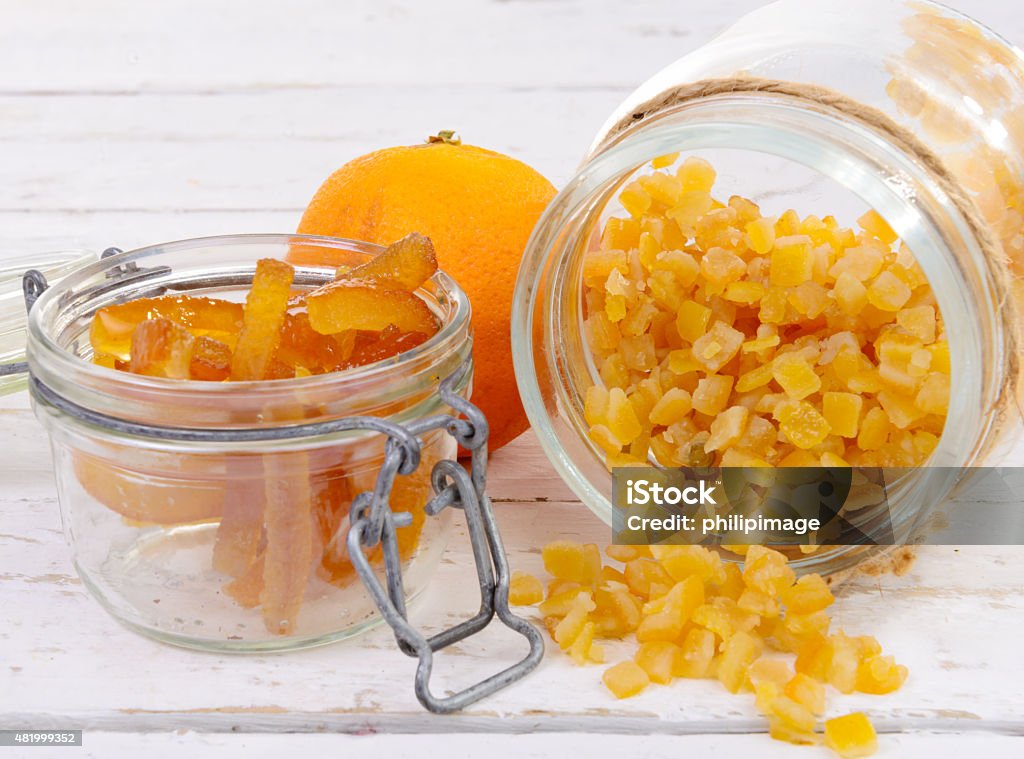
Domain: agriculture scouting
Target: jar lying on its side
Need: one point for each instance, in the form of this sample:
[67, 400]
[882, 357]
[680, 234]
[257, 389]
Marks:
[905, 108]
[233, 545]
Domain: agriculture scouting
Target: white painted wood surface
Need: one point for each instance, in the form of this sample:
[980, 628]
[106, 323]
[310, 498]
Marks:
[130, 123]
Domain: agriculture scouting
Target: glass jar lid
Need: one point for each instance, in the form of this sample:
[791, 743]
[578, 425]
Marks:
[54, 266]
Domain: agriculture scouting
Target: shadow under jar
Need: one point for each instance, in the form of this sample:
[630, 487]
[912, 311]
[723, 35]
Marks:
[907, 108]
[234, 546]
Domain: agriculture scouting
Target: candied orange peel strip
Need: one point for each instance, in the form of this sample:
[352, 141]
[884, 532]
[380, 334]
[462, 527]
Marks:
[348, 305]
[403, 265]
[265, 307]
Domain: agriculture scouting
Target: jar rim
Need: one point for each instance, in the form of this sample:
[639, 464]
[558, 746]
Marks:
[45, 352]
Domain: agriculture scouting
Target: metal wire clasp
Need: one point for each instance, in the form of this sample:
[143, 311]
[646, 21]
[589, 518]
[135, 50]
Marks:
[373, 522]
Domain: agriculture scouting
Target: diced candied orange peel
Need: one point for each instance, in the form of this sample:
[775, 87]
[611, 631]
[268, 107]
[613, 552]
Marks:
[757, 629]
[829, 336]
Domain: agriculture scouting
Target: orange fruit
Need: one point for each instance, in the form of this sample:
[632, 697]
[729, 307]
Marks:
[478, 207]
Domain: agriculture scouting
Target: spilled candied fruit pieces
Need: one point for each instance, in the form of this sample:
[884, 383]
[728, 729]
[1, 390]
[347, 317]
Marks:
[828, 336]
[279, 522]
[757, 629]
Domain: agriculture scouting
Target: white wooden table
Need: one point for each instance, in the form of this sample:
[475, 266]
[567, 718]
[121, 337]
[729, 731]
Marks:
[130, 123]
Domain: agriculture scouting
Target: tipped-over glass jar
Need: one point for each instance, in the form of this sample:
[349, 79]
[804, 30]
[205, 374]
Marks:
[233, 544]
[832, 107]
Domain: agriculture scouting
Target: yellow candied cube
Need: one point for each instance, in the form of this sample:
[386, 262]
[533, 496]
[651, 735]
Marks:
[746, 210]
[799, 458]
[862, 262]
[933, 397]
[581, 650]
[787, 224]
[598, 264]
[792, 261]
[721, 267]
[573, 623]
[657, 659]
[809, 299]
[724, 618]
[918, 321]
[712, 394]
[673, 406]
[810, 594]
[850, 294]
[644, 575]
[620, 234]
[604, 333]
[767, 570]
[759, 344]
[879, 674]
[842, 412]
[792, 713]
[940, 356]
[727, 428]
[565, 560]
[775, 671]
[874, 430]
[851, 736]
[686, 562]
[833, 460]
[627, 553]
[761, 235]
[635, 199]
[695, 654]
[664, 161]
[524, 589]
[756, 602]
[765, 692]
[679, 263]
[648, 250]
[843, 662]
[746, 293]
[662, 187]
[620, 606]
[696, 174]
[738, 653]
[773, 306]
[621, 418]
[615, 308]
[625, 679]
[595, 405]
[717, 346]
[888, 292]
[603, 436]
[795, 375]
[692, 320]
[876, 226]
[801, 423]
[755, 378]
[692, 206]
[681, 362]
[899, 408]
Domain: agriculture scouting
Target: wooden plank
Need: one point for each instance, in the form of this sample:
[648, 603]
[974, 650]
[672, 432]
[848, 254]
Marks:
[118, 46]
[947, 620]
[111, 745]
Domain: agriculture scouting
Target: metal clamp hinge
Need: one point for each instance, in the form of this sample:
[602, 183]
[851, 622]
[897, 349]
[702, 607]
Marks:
[373, 522]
